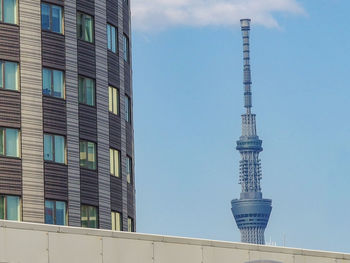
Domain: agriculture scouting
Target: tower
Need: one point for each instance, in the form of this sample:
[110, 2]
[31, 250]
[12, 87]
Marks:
[251, 211]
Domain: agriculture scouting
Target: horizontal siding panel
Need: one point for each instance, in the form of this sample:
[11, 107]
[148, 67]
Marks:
[54, 115]
[86, 59]
[56, 181]
[116, 193]
[126, 19]
[87, 123]
[55, 2]
[10, 176]
[131, 201]
[127, 79]
[9, 42]
[114, 131]
[86, 6]
[10, 109]
[53, 50]
[129, 139]
[112, 12]
[113, 70]
[88, 187]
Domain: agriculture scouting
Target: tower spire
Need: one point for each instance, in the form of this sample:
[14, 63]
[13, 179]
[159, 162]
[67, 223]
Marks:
[251, 211]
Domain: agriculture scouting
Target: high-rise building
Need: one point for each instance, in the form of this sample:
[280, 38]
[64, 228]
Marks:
[66, 125]
[251, 211]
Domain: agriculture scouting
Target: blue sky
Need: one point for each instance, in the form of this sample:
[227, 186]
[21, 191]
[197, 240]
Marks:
[188, 98]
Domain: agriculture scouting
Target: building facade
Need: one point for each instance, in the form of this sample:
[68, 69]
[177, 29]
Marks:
[66, 123]
[251, 211]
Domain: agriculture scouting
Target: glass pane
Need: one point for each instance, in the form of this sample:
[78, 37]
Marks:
[1, 10]
[10, 11]
[126, 48]
[112, 220]
[110, 96]
[118, 226]
[48, 148]
[92, 217]
[2, 200]
[60, 213]
[2, 144]
[79, 26]
[109, 40]
[45, 16]
[1, 64]
[114, 49]
[128, 169]
[111, 161]
[46, 81]
[83, 151]
[90, 92]
[116, 163]
[115, 101]
[11, 69]
[58, 84]
[49, 212]
[12, 208]
[130, 225]
[81, 90]
[56, 19]
[84, 216]
[88, 28]
[12, 143]
[59, 149]
[91, 156]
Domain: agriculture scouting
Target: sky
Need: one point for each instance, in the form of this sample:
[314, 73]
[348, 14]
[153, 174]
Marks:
[188, 101]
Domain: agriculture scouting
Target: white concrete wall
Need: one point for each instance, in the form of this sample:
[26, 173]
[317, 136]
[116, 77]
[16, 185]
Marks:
[36, 243]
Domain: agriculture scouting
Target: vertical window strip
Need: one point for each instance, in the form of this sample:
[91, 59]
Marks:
[10, 142]
[10, 207]
[9, 76]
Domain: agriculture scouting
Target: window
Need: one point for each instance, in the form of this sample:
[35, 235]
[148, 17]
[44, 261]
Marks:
[116, 221]
[10, 207]
[128, 169]
[55, 212]
[126, 2]
[88, 155]
[114, 162]
[8, 11]
[86, 91]
[54, 148]
[127, 108]
[9, 75]
[112, 34]
[126, 49]
[130, 224]
[9, 142]
[114, 100]
[85, 29]
[53, 83]
[89, 217]
[52, 18]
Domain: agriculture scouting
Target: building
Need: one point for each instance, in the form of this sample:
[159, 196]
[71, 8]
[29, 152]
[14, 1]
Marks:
[66, 123]
[56, 244]
[251, 211]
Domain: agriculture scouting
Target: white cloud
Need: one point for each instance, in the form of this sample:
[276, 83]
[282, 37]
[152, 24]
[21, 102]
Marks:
[154, 15]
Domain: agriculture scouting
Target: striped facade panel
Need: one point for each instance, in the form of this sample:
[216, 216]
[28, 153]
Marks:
[86, 6]
[131, 201]
[10, 109]
[9, 42]
[53, 50]
[113, 70]
[102, 115]
[114, 131]
[86, 59]
[126, 17]
[55, 2]
[112, 12]
[127, 79]
[56, 181]
[89, 187]
[55, 117]
[116, 194]
[70, 21]
[88, 123]
[31, 112]
[129, 139]
[10, 176]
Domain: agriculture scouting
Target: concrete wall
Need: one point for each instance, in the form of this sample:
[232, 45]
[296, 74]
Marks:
[36, 243]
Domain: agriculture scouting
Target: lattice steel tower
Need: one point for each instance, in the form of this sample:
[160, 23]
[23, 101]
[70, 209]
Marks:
[251, 211]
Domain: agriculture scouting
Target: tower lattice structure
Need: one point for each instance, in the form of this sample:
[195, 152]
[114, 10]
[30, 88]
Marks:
[251, 211]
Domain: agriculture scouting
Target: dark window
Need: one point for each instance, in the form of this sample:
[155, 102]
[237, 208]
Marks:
[54, 148]
[85, 30]
[55, 212]
[10, 207]
[126, 48]
[89, 216]
[9, 75]
[86, 91]
[53, 83]
[130, 224]
[52, 18]
[8, 11]
[129, 169]
[9, 142]
[112, 36]
[88, 155]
